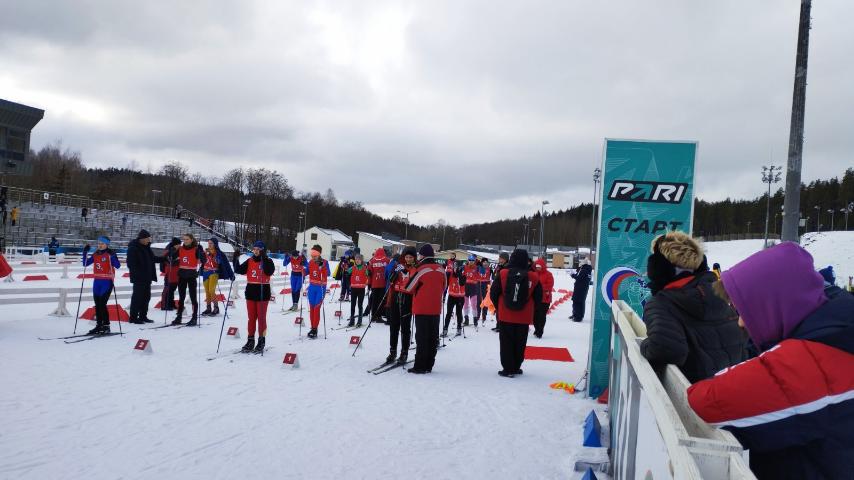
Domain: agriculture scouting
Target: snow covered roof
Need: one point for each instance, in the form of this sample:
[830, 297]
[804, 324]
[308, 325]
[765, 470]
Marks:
[381, 239]
[336, 235]
[492, 257]
[225, 247]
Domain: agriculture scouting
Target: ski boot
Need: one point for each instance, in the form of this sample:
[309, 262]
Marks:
[194, 320]
[391, 356]
[459, 331]
[294, 307]
[250, 344]
[207, 311]
[352, 322]
[359, 323]
[475, 321]
[215, 311]
[466, 322]
[100, 329]
[312, 333]
[177, 320]
[259, 347]
[404, 356]
[444, 332]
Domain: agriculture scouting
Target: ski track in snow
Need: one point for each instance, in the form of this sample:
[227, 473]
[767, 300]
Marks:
[97, 410]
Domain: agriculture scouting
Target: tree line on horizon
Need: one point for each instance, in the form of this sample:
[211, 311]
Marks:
[273, 214]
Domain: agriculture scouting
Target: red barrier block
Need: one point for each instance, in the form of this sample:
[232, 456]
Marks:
[220, 297]
[298, 321]
[28, 263]
[117, 313]
[159, 304]
[291, 360]
[126, 275]
[284, 274]
[142, 346]
[285, 291]
[35, 278]
[548, 353]
[354, 340]
[337, 313]
[86, 275]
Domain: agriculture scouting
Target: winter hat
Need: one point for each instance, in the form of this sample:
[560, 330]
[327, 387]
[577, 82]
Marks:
[504, 255]
[104, 239]
[828, 275]
[409, 251]
[519, 258]
[773, 290]
[379, 253]
[473, 258]
[215, 241]
[682, 251]
[426, 250]
[316, 250]
[716, 266]
[143, 234]
[259, 244]
[295, 253]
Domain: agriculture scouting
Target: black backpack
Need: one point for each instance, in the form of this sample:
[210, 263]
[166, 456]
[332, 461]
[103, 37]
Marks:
[516, 290]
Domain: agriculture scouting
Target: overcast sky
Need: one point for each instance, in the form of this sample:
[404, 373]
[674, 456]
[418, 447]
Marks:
[463, 110]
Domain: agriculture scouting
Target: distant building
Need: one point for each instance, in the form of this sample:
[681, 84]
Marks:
[334, 242]
[16, 123]
[369, 243]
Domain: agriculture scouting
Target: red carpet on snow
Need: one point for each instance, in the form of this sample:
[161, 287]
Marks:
[548, 353]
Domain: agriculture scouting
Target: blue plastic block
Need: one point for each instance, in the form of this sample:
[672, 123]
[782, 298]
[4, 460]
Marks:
[592, 431]
[589, 475]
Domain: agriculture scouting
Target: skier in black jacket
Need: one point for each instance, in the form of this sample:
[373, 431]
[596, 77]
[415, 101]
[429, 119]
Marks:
[687, 324]
[579, 290]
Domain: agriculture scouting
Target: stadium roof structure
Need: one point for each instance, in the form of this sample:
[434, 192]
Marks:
[19, 116]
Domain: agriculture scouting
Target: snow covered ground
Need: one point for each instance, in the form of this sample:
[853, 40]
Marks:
[96, 410]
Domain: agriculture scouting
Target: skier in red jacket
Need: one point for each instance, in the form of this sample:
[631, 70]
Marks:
[426, 286]
[547, 280]
[376, 269]
[514, 293]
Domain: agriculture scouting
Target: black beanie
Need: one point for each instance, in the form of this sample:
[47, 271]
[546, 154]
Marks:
[143, 234]
[426, 250]
[519, 258]
[504, 255]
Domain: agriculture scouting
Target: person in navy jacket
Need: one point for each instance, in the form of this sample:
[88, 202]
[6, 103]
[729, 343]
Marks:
[792, 406]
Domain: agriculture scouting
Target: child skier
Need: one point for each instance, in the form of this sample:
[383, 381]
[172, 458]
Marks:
[216, 266]
[104, 264]
[471, 306]
[358, 281]
[484, 277]
[169, 267]
[299, 265]
[191, 257]
[258, 268]
[318, 272]
[399, 303]
[456, 280]
[376, 268]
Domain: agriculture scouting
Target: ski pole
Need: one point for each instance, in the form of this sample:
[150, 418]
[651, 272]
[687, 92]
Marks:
[196, 306]
[118, 314]
[80, 297]
[371, 321]
[323, 307]
[224, 315]
[166, 290]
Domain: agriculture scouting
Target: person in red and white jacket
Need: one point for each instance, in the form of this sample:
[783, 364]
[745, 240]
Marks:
[456, 296]
[426, 286]
[359, 278]
[191, 258]
[792, 406]
[104, 264]
[515, 313]
[258, 269]
[399, 304]
[547, 280]
[376, 268]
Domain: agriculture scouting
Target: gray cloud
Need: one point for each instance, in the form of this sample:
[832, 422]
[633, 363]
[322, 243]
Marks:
[469, 111]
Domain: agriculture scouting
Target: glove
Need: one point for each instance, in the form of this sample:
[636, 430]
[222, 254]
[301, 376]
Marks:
[235, 256]
[86, 249]
[399, 268]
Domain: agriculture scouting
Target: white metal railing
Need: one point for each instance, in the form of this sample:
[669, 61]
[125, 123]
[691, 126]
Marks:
[653, 429]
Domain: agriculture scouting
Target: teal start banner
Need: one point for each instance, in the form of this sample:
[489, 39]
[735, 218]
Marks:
[647, 190]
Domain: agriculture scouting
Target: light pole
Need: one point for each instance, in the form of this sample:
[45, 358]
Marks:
[305, 222]
[543, 227]
[748, 227]
[153, 193]
[406, 228]
[597, 174]
[525, 235]
[243, 223]
[769, 175]
[832, 213]
[817, 218]
[848, 209]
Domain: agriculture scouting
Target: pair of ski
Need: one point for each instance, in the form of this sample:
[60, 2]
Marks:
[82, 337]
[238, 351]
[180, 325]
[388, 366]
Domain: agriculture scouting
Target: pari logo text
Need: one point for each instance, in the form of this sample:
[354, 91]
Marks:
[653, 192]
